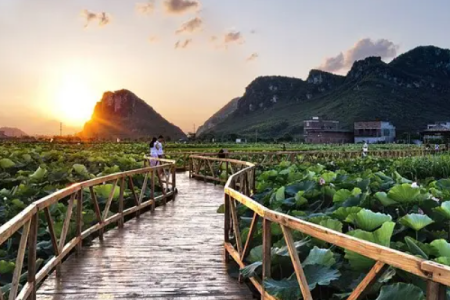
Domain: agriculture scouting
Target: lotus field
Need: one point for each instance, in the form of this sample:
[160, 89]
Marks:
[403, 204]
[399, 203]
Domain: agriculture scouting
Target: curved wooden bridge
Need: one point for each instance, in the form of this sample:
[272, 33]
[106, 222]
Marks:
[174, 251]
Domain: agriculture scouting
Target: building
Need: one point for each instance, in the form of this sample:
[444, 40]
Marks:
[318, 124]
[319, 131]
[374, 132]
[437, 132]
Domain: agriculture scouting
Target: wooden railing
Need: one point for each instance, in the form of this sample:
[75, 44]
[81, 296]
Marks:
[26, 223]
[239, 188]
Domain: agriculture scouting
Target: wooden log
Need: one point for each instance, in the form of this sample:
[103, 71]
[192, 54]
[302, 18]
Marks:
[109, 201]
[32, 245]
[121, 200]
[227, 224]
[79, 220]
[152, 191]
[144, 187]
[301, 278]
[97, 211]
[66, 224]
[436, 291]
[371, 277]
[19, 261]
[267, 248]
[17, 222]
[252, 230]
[51, 230]
[237, 231]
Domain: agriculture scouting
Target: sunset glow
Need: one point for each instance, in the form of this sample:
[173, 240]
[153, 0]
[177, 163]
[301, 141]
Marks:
[74, 100]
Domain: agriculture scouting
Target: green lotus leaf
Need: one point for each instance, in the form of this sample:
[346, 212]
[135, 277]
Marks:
[319, 256]
[444, 209]
[104, 190]
[256, 254]
[280, 196]
[252, 270]
[381, 236]
[404, 193]
[6, 267]
[332, 224]
[416, 221]
[384, 199]
[443, 260]
[328, 176]
[414, 247]
[284, 251]
[81, 170]
[342, 195]
[305, 186]
[288, 289]
[39, 174]
[441, 247]
[343, 212]
[443, 184]
[401, 291]
[6, 163]
[368, 220]
[19, 204]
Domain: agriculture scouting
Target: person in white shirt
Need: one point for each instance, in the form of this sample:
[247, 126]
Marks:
[365, 149]
[154, 152]
[160, 146]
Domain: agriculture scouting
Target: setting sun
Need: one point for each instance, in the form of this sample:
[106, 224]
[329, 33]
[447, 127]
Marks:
[74, 100]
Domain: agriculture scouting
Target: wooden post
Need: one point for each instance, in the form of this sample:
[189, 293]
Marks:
[97, 211]
[371, 277]
[174, 179]
[301, 278]
[436, 291]
[79, 221]
[152, 190]
[267, 248]
[122, 188]
[227, 226]
[32, 242]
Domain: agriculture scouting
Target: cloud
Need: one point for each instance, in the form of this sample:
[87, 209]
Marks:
[233, 37]
[252, 57]
[180, 44]
[362, 49]
[180, 6]
[145, 8]
[190, 26]
[102, 18]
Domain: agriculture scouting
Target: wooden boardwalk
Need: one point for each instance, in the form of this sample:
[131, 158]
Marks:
[174, 253]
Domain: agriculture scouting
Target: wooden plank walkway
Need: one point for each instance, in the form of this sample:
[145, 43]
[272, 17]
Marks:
[175, 253]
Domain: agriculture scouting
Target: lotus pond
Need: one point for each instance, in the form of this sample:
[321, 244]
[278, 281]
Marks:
[403, 204]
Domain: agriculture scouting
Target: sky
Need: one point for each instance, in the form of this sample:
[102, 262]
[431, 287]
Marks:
[187, 58]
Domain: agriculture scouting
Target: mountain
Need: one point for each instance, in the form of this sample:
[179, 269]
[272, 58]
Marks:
[219, 116]
[12, 132]
[122, 114]
[410, 91]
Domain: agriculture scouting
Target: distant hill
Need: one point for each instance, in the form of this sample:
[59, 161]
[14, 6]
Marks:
[219, 116]
[410, 91]
[12, 132]
[122, 114]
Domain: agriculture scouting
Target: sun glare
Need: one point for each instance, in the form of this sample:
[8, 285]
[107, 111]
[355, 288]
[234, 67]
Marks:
[74, 101]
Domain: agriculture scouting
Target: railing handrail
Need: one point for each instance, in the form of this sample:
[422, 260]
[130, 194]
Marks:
[28, 219]
[384, 256]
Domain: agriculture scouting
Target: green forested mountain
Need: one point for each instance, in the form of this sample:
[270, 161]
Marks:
[410, 91]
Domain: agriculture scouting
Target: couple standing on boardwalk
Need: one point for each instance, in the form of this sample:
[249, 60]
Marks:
[156, 149]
